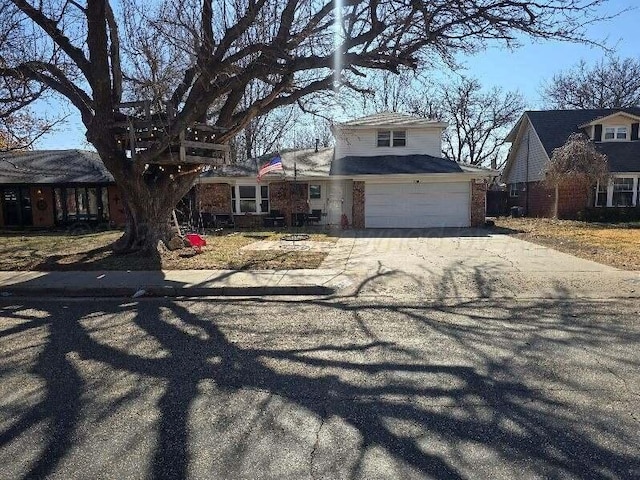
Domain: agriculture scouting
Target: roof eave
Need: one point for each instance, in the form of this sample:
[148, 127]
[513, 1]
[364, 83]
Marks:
[598, 120]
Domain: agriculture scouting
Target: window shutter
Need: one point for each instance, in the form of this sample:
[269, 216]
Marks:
[634, 131]
[597, 133]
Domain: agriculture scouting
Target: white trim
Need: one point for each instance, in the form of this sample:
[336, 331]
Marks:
[615, 129]
[601, 120]
[258, 197]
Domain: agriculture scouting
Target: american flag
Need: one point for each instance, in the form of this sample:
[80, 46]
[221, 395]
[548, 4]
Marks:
[275, 165]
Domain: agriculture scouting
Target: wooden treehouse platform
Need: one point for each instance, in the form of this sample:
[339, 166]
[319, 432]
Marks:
[195, 144]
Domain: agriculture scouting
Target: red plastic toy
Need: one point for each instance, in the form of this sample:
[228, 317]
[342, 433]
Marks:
[196, 241]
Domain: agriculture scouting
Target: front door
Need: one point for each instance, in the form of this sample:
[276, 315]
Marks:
[335, 202]
[17, 207]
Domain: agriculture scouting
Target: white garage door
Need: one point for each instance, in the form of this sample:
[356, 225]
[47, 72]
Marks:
[416, 205]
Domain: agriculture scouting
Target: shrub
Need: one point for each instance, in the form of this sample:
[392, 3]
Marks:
[611, 214]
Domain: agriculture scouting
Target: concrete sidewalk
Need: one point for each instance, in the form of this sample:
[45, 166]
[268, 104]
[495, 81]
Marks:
[172, 283]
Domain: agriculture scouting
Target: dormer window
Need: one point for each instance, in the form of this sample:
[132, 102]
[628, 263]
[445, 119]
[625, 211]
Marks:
[615, 133]
[395, 138]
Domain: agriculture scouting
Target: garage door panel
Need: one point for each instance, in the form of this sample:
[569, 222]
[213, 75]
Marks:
[411, 205]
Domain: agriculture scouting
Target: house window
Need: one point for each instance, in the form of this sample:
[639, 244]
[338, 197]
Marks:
[81, 204]
[249, 199]
[615, 133]
[622, 192]
[233, 199]
[601, 195]
[315, 192]
[384, 138]
[264, 198]
[395, 138]
[399, 138]
[513, 190]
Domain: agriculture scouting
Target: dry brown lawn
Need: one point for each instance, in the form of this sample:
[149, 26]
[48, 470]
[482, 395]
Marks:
[48, 251]
[617, 245]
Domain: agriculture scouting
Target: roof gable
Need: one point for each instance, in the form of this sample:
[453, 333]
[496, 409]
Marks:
[608, 118]
[554, 126]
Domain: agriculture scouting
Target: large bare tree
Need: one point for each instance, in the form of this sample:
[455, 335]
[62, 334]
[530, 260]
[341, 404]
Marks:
[201, 55]
[610, 83]
[477, 121]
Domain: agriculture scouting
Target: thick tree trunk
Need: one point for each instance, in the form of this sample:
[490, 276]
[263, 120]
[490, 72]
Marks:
[149, 202]
[146, 230]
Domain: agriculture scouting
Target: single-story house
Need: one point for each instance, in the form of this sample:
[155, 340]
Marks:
[49, 188]
[385, 171]
[535, 136]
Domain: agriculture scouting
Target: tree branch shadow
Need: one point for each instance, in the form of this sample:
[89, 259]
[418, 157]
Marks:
[488, 404]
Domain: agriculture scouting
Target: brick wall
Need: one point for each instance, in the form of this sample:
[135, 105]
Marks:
[358, 205]
[289, 198]
[541, 200]
[248, 221]
[478, 203]
[42, 206]
[117, 215]
[214, 198]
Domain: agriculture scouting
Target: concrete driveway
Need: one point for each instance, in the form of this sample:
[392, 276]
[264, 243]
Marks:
[460, 263]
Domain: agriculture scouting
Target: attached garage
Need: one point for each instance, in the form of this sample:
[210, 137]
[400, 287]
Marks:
[417, 205]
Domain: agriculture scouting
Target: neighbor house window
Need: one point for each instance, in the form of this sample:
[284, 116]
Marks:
[384, 138]
[601, 195]
[513, 189]
[399, 138]
[622, 192]
[315, 192]
[615, 133]
[250, 198]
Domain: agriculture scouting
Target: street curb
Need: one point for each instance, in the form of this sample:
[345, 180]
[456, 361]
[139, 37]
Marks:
[192, 292]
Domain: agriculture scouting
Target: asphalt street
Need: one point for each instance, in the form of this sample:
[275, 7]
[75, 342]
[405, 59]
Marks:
[313, 388]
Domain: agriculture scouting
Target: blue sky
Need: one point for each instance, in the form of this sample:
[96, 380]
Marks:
[523, 69]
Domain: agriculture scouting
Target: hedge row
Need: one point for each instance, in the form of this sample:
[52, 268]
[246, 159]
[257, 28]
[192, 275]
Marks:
[610, 214]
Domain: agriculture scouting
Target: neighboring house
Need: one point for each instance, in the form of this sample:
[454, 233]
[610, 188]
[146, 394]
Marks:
[386, 171]
[57, 188]
[535, 136]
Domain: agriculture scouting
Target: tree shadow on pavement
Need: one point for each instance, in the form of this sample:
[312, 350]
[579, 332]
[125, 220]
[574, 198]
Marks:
[377, 394]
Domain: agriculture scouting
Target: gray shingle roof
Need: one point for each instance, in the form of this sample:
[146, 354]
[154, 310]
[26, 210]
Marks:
[554, 127]
[622, 156]
[308, 163]
[390, 119]
[52, 166]
[247, 168]
[393, 164]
